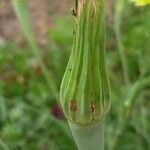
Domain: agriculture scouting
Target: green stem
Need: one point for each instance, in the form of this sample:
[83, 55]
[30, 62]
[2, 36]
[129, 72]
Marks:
[89, 137]
[117, 26]
[21, 10]
[128, 104]
[3, 145]
[135, 90]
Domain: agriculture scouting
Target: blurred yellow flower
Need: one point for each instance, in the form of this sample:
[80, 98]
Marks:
[141, 2]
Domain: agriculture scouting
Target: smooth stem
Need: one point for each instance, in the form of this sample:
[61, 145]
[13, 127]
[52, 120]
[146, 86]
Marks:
[3, 145]
[128, 106]
[90, 137]
[117, 26]
[21, 10]
[135, 90]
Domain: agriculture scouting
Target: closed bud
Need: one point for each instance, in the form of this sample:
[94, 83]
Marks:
[85, 90]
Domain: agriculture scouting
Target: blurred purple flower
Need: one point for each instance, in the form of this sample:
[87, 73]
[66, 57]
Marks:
[57, 111]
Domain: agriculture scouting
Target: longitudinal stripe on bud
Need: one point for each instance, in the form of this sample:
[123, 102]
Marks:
[85, 91]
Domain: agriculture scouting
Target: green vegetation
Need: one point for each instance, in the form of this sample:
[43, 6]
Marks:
[29, 115]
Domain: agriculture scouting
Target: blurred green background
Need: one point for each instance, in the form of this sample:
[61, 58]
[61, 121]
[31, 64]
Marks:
[30, 114]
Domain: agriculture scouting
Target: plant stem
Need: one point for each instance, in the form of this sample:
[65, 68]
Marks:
[21, 10]
[127, 107]
[134, 91]
[3, 145]
[117, 26]
[89, 137]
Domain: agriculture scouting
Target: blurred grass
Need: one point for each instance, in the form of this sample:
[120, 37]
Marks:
[26, 102]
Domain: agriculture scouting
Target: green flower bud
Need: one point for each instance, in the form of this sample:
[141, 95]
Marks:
[85, 90]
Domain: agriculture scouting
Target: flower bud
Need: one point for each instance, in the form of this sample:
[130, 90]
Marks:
[85, 90]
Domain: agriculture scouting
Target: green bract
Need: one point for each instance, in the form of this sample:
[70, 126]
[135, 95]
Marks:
[85, 91]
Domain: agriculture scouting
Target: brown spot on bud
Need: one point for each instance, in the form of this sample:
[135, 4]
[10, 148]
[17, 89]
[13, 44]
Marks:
[73, 105]
[74, 11]
[92, 107]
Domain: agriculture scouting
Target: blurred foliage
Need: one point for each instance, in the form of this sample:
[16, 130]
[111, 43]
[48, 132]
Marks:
[27, 120]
